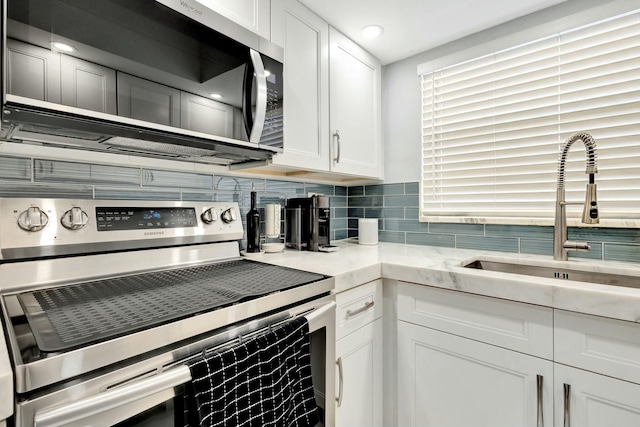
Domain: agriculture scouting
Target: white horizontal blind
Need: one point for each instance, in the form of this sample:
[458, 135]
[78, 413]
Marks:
[493, 127]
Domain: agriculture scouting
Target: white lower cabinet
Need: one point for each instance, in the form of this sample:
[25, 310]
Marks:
[462, 361]
[586, 399]
[359, 359]
[448, 381]
[359, 353]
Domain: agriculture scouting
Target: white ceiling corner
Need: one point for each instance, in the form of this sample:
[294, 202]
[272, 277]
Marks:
[414, 26]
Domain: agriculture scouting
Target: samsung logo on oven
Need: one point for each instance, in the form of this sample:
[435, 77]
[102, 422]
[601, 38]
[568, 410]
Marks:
[190, 7]
[154, 233]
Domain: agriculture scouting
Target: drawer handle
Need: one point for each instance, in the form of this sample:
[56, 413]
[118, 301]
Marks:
[340, 381]
[567, 409]
[539, 381]
[367, 306]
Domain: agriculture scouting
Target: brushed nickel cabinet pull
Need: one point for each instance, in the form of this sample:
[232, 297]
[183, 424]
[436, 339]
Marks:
[340, 381]
[336, 136]
[567, 409]
[539, 383]
[366, 307]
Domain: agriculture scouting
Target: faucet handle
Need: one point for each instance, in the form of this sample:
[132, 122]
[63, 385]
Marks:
[590, 213]
[571, 245]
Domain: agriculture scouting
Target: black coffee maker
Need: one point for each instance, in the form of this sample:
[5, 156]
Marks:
[307, 223]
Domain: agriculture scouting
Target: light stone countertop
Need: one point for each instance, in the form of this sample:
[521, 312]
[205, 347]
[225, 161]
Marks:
[356, 264]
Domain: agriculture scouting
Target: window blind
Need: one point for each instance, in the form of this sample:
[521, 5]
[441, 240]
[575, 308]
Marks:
[493, 127]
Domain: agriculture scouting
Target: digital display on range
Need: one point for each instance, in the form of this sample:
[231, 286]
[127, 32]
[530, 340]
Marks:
[132, 218]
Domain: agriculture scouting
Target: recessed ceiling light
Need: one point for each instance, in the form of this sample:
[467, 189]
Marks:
[62, 47]
[267, 73]
[372, 31]
[216, 96]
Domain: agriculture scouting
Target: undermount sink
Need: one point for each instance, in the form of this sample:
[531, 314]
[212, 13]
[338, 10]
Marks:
[601, 278]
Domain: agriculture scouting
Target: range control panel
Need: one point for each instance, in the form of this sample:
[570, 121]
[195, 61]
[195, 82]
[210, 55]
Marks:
[135, 218]
[50, 227]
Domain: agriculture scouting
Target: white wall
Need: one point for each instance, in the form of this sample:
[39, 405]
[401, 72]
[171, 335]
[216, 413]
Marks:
[401, 108]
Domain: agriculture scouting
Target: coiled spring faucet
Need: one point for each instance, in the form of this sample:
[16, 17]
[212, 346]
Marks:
[562, 246]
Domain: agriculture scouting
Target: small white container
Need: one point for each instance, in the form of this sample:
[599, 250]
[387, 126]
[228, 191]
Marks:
[272, 220]
[368, 231]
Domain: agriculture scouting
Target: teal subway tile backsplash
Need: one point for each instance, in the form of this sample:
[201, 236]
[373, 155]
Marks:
[411, 213]
[384, 213]
[396, 205]
[404, 201]
[293, 189]
[536, 246]
[411, 188]
[234, 183]
[338, 202]
[324, 189]
[340, 191]
[456, 228]
[366, 201]
[391, 237]
[384, 189]
[621, 235]
[404, 227]
[503, 244]
[537, 232]
[355, 191]
[444, 240]
[621, 252]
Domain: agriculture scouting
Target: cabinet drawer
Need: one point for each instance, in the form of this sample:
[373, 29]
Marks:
[517, 326]
[357, 307]
[607, 346]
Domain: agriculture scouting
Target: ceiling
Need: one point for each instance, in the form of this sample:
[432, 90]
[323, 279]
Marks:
[414, 26]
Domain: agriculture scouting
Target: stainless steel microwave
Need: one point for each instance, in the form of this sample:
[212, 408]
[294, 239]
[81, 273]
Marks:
[165, 78]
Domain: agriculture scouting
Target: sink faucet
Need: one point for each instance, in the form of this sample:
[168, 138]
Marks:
[562, 246]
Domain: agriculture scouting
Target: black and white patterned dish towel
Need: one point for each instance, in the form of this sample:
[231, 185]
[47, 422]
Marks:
[264, 381]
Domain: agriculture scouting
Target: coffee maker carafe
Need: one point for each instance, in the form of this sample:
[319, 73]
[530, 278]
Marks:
[308, 223]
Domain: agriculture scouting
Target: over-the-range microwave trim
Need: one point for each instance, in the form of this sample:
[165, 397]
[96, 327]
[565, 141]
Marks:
[257, 115]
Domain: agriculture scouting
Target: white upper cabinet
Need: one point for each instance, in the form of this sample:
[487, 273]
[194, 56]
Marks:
[305, 39]
[251, 14]
[332, 87]
[355, 112]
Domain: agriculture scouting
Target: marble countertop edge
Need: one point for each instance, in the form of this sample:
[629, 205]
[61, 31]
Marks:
[440, 267]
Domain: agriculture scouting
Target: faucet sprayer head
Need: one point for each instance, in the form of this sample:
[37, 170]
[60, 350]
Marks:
[590, 213]
[590, 146]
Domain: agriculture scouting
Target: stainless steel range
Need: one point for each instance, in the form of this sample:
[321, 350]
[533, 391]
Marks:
[103, 302]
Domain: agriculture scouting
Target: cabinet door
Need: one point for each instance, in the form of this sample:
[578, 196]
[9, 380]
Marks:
[355, 112]
[251, 14]
[305, 38]
[33, 72]
[206, 115]
[448, 381]
[149, 101]
[87, 85]
[593, 400]
[360, 356]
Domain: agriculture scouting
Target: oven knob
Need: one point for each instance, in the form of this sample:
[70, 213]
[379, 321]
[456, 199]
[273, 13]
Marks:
[209, 216]
[229, 216]
[33, 219]
[74, 219]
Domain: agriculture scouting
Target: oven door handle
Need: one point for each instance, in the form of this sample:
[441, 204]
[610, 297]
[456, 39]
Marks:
[120, 396]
